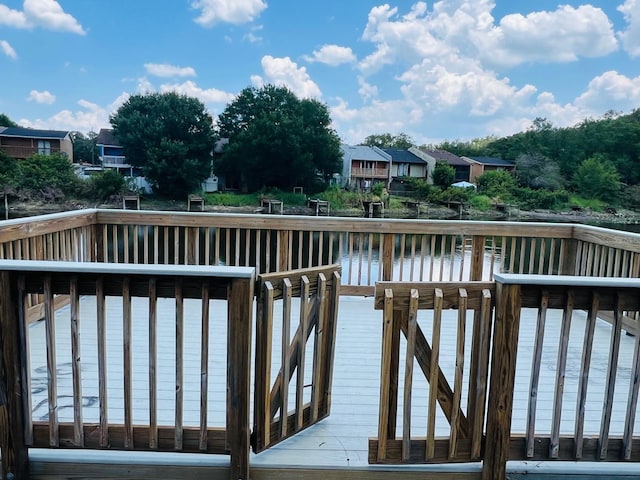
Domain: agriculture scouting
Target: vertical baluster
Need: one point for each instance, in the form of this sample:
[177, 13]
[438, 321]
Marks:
[385, 381]
[153, 364]
[179, 407]
[459, 371]
[204, 365]
[433, 373]
[535, 374]
[554, 444]
[412, 328]
[302, 343]
[102, 362]
[127, 363]
[587, 348]
[402, 242]
[52, 376]
[286, 336]
[25, 374]
[237, 252]
[632, 402]
[76, 368]
[360, 256]
[612, 369]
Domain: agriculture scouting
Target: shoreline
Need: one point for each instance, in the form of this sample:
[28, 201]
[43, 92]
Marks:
[27, 209]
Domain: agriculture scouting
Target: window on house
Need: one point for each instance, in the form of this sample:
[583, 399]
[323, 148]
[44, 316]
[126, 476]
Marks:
[44, 147]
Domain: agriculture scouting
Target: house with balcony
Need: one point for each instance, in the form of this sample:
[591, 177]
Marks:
[481, 165]
[410, 163]
[363, 166]
[111, 153]
[21, 143]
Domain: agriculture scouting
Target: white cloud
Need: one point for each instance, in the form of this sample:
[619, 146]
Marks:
[228, 11]
[630, 37]
[610, 91]
[366, 91]
[89, 117]
[7, 49]
[41, 97]
[563, 35]
[285, 72]
[166, 70]
[332, 55]
[189, 88]
[465, 30]
[47, 14]
[13, 18]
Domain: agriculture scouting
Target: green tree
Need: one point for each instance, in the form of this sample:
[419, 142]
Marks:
[496, 184]
[387, 140]
[5, 121]
[443, 174]
[46, 176]
[170, 137]
[277, 140]
[107, 184]
[8, 171]
[597, 178]
[537, 171]
[84, 147]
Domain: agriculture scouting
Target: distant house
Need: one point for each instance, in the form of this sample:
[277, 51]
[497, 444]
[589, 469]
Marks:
[362, 166]
[112, 156]
[111, 153]
[480, 165]
[410, 163]
[21, 143]
[461, 166]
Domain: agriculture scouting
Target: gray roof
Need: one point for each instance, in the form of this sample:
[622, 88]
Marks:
[444, 156]
[364, 152]
[33, 133]
[399, 155]
[106, 137]
[498, 162]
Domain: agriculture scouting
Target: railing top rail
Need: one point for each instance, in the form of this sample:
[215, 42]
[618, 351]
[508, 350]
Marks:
[127, 269]
[566, 280]
[336, 224]
[19, 228]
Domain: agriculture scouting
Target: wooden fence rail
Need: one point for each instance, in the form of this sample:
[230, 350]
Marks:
[110, 302]
[369, 250]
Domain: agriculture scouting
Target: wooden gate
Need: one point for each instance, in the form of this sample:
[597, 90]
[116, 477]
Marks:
[299, 394]
[401, 303]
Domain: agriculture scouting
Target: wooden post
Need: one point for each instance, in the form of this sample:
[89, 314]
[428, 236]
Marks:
[477, 257]
[387, 256]
[568, 261]
[239, 319]
[503, 371]
[15, 460]
[284, 238]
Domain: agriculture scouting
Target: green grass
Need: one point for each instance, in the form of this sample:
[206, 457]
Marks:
[590, 203]
[232, 199]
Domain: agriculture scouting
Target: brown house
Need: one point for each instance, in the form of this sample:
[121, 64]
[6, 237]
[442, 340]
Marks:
[21, 143]
[480, 165]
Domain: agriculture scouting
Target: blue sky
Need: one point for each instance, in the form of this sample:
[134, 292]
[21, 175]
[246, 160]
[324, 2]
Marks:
[452, 69]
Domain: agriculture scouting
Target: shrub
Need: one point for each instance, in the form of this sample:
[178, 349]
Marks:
[528, 198]
[107, 184]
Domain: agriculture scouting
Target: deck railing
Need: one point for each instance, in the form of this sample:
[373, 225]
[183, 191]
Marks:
[547, 311]
[369, 250]
[60, 390]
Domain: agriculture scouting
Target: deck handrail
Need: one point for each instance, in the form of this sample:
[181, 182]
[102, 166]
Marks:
[369, 250]
[102, 282]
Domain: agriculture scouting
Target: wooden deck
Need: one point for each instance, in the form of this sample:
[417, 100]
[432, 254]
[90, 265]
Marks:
[340, 441]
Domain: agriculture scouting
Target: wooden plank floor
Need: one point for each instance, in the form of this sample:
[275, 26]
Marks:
[341, 439]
